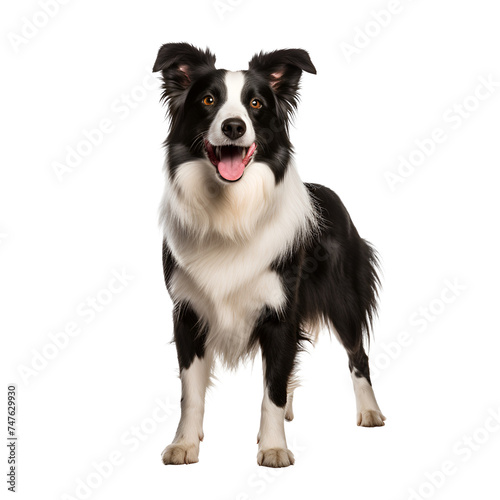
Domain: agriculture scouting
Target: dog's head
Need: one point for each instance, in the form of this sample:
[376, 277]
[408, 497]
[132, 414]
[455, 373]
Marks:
[226, 117]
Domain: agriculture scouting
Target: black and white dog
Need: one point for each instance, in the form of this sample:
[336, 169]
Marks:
[253, 257]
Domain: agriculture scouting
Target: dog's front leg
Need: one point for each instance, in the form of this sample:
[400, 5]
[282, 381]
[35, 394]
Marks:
[278, 341]
[195, 369]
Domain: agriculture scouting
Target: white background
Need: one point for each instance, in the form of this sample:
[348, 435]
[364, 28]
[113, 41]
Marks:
[61, 240]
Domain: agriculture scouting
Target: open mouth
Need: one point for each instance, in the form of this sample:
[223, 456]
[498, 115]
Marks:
[230, 161]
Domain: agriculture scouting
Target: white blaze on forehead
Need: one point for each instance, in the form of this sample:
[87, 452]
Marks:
[232, 108]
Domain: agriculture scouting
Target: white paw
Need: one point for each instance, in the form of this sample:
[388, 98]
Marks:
[275, 457]
[180, 453]
[370, 418]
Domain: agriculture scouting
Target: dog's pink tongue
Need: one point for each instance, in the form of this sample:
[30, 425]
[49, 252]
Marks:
[231, 165]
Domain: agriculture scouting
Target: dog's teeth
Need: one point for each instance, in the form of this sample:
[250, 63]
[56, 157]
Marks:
[243, 153]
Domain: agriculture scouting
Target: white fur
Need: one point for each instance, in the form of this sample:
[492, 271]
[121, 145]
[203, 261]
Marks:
[224, 238]
[289, 407]
[273, 450]
[368, 411]
[195, 381]
[232, 108]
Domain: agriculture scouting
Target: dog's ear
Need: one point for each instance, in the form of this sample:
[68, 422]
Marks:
[283, 69]
[180, 63]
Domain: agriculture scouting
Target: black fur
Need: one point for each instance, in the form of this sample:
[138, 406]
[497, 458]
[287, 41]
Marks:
[190, 122]
[282, 69]
[278, 341]
[189, 337]
[341, 286]
[280, 335]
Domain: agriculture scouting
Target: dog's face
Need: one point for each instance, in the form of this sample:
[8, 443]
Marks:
[230, 118]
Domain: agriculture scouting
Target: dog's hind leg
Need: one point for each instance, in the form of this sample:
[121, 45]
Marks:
[289, 407]
[367, 409]
[293, 383]
[349, 329]
[350, 313]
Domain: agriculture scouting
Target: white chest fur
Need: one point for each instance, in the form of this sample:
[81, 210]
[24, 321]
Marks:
[227, 297]
[224, 239]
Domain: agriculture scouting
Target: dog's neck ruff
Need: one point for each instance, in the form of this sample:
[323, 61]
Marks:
[199, 208]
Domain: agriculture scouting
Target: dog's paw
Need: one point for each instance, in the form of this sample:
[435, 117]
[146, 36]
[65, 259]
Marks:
[180, 453]
[275, 457]
[370, 418]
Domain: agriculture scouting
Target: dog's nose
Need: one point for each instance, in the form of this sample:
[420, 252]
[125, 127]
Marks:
[233, 128]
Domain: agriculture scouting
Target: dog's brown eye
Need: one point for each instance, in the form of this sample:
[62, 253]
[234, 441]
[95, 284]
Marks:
[256, 104]
[208, 100]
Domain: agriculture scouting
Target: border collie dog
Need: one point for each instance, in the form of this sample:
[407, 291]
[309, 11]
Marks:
[253, 257]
